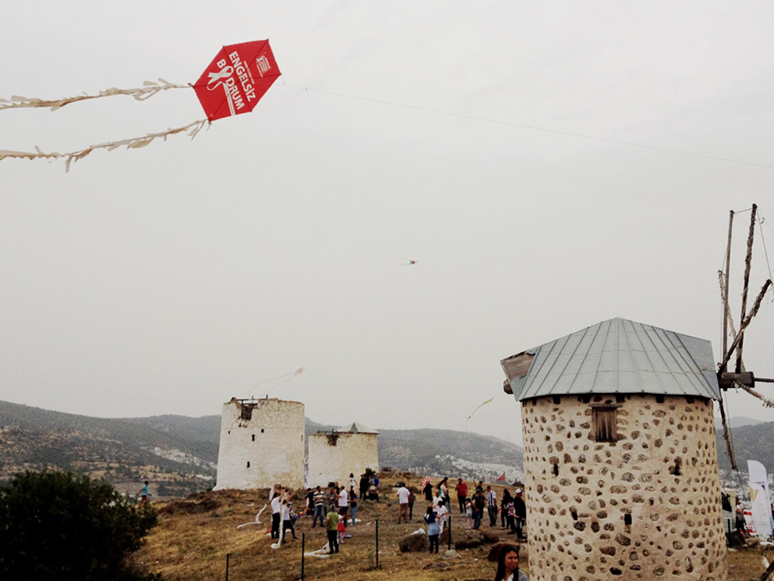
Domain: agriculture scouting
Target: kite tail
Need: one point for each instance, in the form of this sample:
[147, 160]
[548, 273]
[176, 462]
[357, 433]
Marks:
[147, 91]
[478, 408]
[132, 143]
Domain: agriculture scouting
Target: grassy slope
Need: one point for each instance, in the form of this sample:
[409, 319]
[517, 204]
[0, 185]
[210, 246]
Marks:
[192, 546]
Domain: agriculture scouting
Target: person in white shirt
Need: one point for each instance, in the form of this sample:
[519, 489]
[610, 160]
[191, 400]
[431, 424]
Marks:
[403, 503]
[491, 505]
[276, 506]
[343, 503]
[441, 511]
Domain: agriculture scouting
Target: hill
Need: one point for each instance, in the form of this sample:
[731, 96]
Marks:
[179, 454]
[751, 442]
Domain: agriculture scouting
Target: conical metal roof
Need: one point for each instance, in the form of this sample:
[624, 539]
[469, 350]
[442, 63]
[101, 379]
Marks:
[615, 356]
[356, 427]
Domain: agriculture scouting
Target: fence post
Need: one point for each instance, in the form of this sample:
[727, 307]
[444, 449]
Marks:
[377, 543]
[303, 550]
[228, 558]
[448, 537]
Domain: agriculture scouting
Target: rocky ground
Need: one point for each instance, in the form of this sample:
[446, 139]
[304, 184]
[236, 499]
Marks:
[198, 537]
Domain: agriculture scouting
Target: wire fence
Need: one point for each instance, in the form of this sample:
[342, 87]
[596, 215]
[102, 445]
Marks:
[310, 560]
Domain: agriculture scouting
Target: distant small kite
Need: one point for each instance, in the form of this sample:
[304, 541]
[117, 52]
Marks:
[232, 84]
[479, 407]
[408, 262]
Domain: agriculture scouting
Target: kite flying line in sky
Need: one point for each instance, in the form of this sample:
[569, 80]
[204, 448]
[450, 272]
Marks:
[280, 379]
[232, 84]
[534, 127]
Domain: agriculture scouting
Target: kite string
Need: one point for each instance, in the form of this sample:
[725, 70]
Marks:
[761, 220]
[147, 91]
[192, 129]
[534, 127]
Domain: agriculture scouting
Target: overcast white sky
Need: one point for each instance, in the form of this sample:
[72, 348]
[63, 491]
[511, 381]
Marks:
[171, 278]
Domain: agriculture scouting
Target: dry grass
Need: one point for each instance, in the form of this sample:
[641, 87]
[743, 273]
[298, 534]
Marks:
[194, 536]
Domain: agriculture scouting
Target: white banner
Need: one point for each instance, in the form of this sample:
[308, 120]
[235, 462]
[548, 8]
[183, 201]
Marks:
[760, 499]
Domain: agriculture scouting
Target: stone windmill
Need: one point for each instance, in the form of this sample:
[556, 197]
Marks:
[620, 455]
[739, 377]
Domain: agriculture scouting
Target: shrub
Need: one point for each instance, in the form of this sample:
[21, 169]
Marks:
[56, 525]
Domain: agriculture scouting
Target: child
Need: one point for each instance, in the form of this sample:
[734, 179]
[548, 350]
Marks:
[352, 506]
[469, 513]
[433, 530]
[441, 511]
[288, 520]
[342, 528]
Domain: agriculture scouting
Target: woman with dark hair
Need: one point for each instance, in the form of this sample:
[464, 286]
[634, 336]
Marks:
[428, 490]
[508, 565]
[510, 513]
[443, 491]
[507, 499]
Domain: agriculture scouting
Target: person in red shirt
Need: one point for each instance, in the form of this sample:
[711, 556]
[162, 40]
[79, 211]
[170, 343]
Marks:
[462, 494]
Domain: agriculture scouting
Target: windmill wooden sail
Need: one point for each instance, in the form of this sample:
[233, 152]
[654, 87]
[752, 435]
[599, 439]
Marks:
[740, 378]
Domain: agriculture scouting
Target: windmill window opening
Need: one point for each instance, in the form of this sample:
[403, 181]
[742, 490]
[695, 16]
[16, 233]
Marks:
[604, 421]
[262, 430]
[248, 464]
[253, 437]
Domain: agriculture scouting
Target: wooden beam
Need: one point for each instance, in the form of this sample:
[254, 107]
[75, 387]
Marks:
[747, 265]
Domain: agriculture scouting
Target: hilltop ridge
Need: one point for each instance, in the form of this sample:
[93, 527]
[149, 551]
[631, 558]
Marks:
[179, 454]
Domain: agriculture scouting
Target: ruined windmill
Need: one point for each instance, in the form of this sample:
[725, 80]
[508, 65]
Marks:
[740, 377]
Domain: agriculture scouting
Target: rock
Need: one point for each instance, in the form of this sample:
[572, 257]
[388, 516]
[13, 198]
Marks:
[450, 554]
[438, 566]
[490, 537]
[413, 543]
[468, 539]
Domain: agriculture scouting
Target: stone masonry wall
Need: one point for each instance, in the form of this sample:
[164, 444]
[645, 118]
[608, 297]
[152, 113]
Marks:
[261, 444]
[646, 506]
[332, 457]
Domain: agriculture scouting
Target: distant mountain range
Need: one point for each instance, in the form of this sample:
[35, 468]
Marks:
[179, 454]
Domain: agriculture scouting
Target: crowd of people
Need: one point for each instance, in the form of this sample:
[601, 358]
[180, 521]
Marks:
[335, 508]
[481, 503]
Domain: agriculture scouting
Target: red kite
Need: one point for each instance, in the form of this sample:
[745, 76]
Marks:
[236, 79]
[232, 84]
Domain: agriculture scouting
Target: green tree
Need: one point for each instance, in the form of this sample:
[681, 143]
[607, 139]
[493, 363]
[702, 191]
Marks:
[56, 525]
